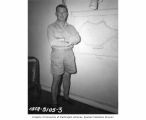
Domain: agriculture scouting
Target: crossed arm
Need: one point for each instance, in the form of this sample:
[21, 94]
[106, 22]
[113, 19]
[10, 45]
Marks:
[63, 40]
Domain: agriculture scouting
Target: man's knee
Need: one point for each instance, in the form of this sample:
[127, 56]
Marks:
[66, 74]
[56, 77]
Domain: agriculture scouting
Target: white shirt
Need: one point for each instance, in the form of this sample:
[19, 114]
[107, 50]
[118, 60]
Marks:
[61, 36]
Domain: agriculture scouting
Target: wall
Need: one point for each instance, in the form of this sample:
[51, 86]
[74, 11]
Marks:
[97, 55]
[40, 14]
[96, 82]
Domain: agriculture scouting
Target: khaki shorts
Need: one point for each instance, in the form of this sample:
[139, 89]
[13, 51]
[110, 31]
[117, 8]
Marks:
[62, 61]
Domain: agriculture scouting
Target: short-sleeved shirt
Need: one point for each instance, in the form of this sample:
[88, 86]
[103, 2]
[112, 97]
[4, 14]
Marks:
[57, 32]
[62, 56]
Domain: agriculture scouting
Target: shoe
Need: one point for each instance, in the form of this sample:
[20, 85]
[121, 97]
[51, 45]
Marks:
[54, 105]
[68, 101]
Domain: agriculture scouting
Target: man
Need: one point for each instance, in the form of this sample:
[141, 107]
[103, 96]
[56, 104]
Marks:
[62, 37]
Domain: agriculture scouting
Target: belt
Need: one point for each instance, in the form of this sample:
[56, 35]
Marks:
[62, 48]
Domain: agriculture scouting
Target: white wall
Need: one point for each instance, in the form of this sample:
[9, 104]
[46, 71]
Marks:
[96, 82]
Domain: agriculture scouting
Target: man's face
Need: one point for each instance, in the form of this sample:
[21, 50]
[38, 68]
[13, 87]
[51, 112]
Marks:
[61, 14]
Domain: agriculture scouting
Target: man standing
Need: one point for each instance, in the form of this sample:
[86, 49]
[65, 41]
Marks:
[62, 37]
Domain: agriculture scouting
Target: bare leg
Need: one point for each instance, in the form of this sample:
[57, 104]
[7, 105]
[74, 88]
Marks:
[66, 84]
[54, 88]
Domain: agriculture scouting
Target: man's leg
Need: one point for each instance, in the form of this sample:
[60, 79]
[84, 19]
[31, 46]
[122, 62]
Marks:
[66, 84]
[54, 88]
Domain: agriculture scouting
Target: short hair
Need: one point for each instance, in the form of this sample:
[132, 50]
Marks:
[62, 6]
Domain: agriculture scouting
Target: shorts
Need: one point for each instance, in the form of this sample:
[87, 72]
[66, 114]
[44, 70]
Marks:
[62, 60]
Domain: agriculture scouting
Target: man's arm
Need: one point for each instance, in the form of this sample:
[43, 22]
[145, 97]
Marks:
[72, 37]
[55, 42]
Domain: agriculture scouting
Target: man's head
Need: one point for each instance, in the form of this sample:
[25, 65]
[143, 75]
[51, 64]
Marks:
[61, 13]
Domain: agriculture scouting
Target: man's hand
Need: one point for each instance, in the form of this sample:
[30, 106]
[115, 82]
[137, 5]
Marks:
[69, 43]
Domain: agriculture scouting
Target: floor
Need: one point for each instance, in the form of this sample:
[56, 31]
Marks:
[42, 105]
